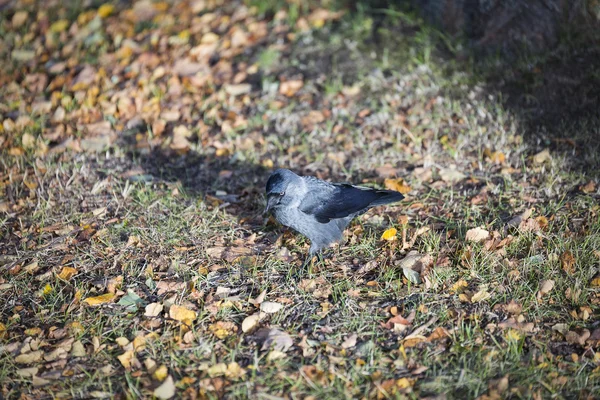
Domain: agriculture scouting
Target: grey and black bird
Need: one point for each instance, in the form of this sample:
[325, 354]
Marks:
[317, 209]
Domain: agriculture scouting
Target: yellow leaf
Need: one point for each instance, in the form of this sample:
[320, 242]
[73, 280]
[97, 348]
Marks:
[512, 335]
[59, 26]
[67, 273]
[139, 343]
[405, 383]
[47, 289]
[2, 330]
[459, 286]
[102, 299]
[222, 329]
[234, 371]
[595, 281]
[389, 234]
[105, 10]
[180, 313]
[397, 185]
[161, 373]
[33, 331]
[76, 328]
[497, 157]
[127, 358]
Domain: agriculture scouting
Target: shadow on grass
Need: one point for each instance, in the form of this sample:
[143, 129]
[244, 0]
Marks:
[552, 92]
[223, 180]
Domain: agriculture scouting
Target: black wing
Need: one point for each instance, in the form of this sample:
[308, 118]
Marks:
[331, 201]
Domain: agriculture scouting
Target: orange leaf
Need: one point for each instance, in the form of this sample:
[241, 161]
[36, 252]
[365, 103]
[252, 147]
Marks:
[399, 185]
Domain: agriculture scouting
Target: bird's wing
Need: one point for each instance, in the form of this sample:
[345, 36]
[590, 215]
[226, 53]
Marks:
[327, 201]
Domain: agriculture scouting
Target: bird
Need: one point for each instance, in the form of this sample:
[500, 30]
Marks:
[318, 209]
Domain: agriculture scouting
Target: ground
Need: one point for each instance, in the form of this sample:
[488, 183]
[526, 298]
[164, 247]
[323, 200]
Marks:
[135, 260]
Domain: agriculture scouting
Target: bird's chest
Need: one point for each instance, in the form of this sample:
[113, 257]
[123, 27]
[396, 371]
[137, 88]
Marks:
[287, 216]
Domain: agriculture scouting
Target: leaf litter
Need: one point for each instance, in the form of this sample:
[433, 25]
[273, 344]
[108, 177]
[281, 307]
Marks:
[202, 86]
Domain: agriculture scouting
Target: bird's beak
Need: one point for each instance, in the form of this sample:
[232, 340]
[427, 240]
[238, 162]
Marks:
[271, 202]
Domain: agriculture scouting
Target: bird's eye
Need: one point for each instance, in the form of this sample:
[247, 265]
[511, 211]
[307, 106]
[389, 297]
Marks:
[281, 194]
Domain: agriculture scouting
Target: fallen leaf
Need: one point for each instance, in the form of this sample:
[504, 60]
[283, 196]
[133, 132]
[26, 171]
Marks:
[250, 322]
[228, 253]
[127, 359]
[219, 369]
[19, 19]
[397, 323]
[29, 358]
[78, 350]
[412, 275]
[542, 157]
[389, 235]
[166, 390]
[451, 175]
[161, 373]
[270, 307]
[398, 185]
[567, 262]
[350, 341]
[183, 314]
[259, 299]
[234, 371]
[105, 10]
[290, 88]
[239, 89]
[589, 187]
[153, 310]
[59, 26]
[27, 372]
[477, 235]
[131, 301]
[223, 329]
[545, 288]
[574, 337]
[98, 300]
[277, 340]
[480, 296]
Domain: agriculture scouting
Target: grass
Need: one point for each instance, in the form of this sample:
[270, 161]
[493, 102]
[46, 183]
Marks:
[137, 217]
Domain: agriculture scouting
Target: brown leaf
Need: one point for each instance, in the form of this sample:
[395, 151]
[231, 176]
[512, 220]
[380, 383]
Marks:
[290, 88]
[228, 253]
[589, 187]
[350, 341]
[397, 323]
[67, 273]
[276, 340]
[29, 358]
[545, 288]
[477, 235]
[567, 261]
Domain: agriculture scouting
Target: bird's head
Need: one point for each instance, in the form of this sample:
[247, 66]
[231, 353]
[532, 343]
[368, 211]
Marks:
[279, 184]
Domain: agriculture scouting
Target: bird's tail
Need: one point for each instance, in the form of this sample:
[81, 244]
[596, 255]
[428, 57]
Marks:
[386, 197]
